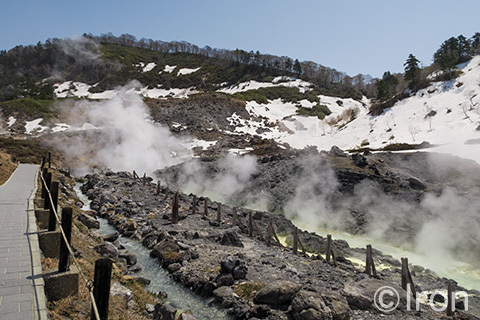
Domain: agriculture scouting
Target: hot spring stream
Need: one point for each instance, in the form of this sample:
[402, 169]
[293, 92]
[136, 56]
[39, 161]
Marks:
[178, 296]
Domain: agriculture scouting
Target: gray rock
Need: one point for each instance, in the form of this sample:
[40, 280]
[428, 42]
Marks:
[308, 305]
[336, 151]
[150, 308]
[117, 289]
[224, 279]
[129, 256]
[231, 238]
[223, 293]
[277, 292]
[89, 221]
[164, 312]
[111, 236]
[360, 295]
[107, 250]
[186, 315]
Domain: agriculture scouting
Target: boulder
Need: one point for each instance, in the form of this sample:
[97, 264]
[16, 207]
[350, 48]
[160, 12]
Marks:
[224, 279]
[111, 236]
[231, 238]
[336, 151]
[277, 292]
[360, 295]
[164, 312]
[107, 250]
[129, 256]
[223, 294]
[186, 315]
[89, 221]
[308, 305]
[117, 289]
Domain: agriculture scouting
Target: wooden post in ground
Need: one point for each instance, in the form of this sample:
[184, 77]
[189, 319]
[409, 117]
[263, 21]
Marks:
[52, 220]
[250, 224]
[194, 205]
[205, 207]
[269, 235]
[328, 250]
[451, 298]
[48, 183]
[49, 159]
[158, 187]
[134, 174]
[219, 212]
[301, 244]
[64, 256]
[407, 278]
[101, 287]
[44, 184]
[370, 265]
[175, 208]
[144, 180]
[295, 240]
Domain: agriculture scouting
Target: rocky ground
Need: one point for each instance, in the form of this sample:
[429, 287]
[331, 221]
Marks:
[249, 278]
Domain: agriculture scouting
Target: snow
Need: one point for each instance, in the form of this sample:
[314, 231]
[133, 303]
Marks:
[34, 126]
[149, 67]
[11, 121]
[254, 85]
[61, 127]
[79, 90]
[456, 105]
[162, 93]
[184, 71]
[240, 151]
[169, 69]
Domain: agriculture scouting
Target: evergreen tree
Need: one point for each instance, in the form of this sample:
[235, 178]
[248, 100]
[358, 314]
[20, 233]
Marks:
[386, 86]
[412, 72]
[297, 67]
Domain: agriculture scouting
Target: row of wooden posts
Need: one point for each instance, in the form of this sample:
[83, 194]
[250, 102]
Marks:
[406, 277]
[103, 267]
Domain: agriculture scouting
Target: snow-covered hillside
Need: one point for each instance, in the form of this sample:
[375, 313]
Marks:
[446, 114]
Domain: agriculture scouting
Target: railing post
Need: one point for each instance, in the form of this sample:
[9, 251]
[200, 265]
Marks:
[329, 247]
[295, 240]
[175, 208]
[49, 159]
[48, 183]
[64, 256]
[158, 187]
[144, 180]
[219, 212]
[194, 205]
[52, 221]
[205, 207]
[450, 298]
[250, 224]
[101, 287]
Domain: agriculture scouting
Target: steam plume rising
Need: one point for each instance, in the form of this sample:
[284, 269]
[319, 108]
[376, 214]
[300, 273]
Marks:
[125, 139]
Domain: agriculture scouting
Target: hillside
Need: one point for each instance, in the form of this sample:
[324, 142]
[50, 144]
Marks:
[256, 135]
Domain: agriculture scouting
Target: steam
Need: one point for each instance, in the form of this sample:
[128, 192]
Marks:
[125, 138]
[222, 183]
[81, 48]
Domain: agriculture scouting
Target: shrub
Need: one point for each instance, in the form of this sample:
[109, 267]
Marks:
[318, 110]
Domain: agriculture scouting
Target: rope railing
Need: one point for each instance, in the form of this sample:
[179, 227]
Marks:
[75, 261]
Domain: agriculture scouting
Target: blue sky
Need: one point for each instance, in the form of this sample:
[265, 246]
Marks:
[354, 36]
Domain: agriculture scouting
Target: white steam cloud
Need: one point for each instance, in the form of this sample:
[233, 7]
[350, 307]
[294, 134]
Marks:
[230, 178]
[125, 138]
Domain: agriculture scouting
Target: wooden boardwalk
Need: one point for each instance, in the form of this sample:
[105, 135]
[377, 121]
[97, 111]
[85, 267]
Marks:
[21, 283]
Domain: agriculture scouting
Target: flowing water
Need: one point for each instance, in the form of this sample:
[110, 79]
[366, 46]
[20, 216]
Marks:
[178, 296]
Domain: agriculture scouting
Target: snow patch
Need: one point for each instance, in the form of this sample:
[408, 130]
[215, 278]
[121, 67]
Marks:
[169, 69]
[184, 71]
[34, 126]
[11, 121]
